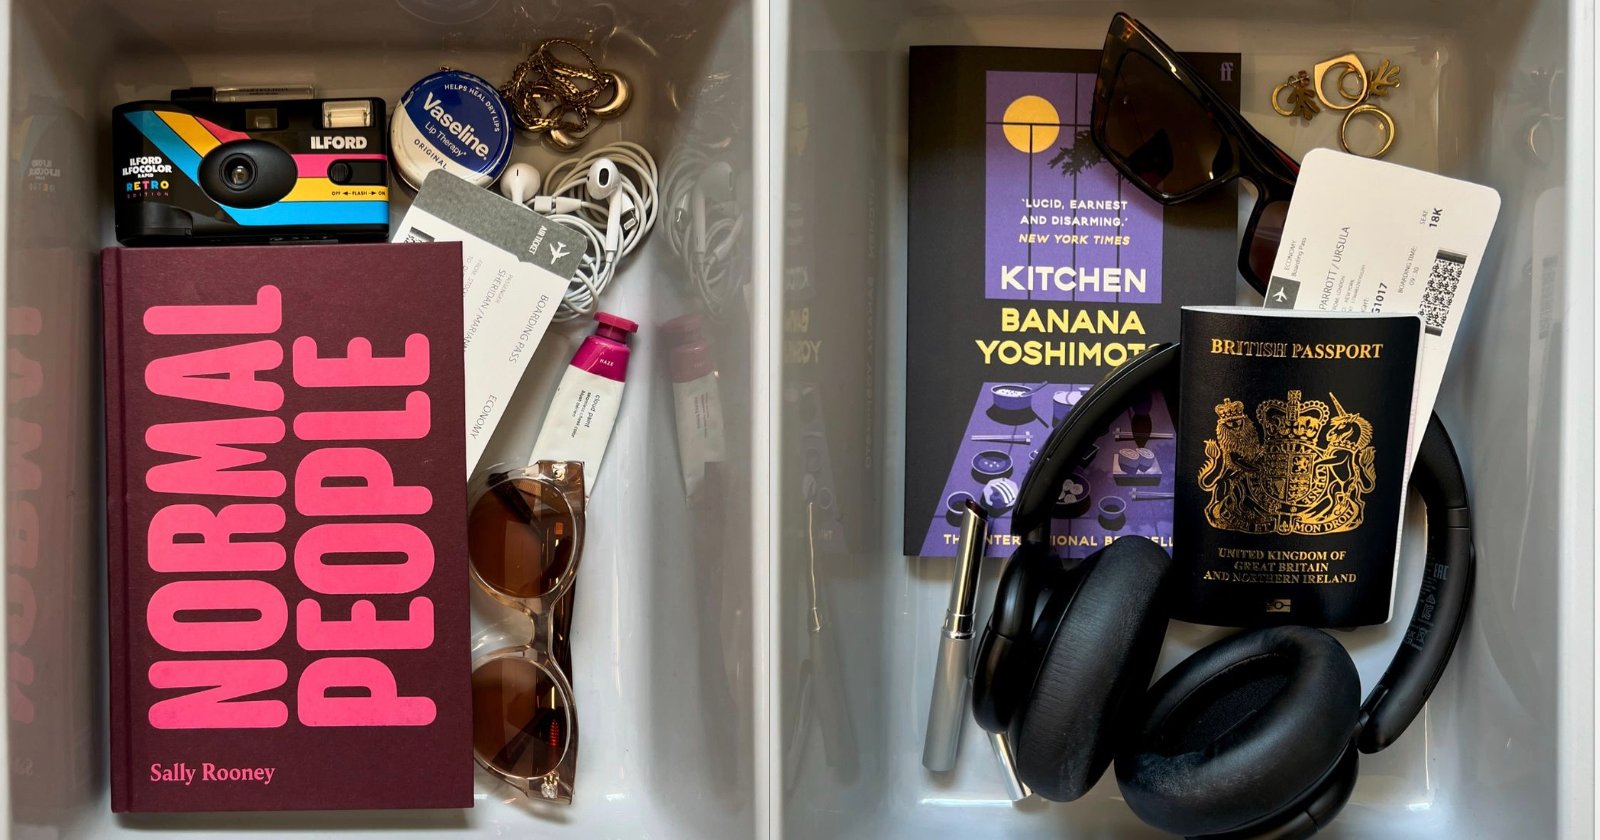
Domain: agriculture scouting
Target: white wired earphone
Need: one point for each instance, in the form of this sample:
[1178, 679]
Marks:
[704, 223]
[608, 195]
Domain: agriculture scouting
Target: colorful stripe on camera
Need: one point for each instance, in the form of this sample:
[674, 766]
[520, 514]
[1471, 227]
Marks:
[315, 200]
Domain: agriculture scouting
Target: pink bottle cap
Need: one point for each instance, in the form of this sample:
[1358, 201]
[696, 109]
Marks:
[614, 327]
[689, 354]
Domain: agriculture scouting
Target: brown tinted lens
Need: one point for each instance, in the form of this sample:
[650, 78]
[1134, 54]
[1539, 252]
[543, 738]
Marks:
[519, 718]
[1161, 132]
[1263, 241]
[521, 537]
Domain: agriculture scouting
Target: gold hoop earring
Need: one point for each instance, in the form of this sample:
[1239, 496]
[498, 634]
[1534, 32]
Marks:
[621, 96]
[1302, 103]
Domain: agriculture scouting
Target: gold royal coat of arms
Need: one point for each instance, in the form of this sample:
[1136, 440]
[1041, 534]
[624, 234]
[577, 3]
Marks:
[1306, 471]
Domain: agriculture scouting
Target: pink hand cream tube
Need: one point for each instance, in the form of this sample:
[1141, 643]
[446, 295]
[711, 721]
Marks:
[701, 437]
[584, 410]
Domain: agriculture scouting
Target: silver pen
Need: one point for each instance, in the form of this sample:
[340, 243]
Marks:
[952, 676]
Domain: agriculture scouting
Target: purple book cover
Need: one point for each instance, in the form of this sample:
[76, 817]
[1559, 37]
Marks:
[1034, 270]
[286, 528]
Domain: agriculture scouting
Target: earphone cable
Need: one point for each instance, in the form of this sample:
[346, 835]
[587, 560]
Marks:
[569, 179]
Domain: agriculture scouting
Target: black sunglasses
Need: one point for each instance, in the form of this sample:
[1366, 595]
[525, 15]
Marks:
[1175, 138]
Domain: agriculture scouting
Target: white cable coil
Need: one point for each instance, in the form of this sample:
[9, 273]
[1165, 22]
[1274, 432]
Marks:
[703, 226]
[569, 203]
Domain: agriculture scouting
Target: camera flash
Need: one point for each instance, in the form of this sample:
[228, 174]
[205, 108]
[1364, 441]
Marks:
[346, 113]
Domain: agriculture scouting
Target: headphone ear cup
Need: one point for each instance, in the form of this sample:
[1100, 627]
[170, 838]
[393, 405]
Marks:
[1092, 668]
[1030, 573]
[1241, 732]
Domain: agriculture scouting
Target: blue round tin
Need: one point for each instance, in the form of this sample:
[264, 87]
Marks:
[454, 121]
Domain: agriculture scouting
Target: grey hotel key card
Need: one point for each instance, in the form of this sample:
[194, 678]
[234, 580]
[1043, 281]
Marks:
[515, 266]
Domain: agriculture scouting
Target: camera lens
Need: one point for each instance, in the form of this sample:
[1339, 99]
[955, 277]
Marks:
[248, 174]
[239, 172]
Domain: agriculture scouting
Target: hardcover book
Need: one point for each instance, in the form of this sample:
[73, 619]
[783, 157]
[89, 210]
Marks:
[1295, 433]
[286, 528]
[1034, 269]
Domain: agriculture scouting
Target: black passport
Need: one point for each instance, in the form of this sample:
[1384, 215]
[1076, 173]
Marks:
[1295, 429]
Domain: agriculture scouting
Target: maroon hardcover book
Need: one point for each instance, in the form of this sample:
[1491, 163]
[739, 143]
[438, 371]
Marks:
[286, 534]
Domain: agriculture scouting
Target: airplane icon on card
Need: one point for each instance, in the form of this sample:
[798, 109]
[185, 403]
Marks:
[1282, 292]
[557, 251]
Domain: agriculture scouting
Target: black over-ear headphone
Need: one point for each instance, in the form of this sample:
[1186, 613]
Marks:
[1255, 736]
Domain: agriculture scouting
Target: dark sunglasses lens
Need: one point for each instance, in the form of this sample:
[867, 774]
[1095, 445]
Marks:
[1262, 244]
[1161, 132]
[519, 718]
[521, 537]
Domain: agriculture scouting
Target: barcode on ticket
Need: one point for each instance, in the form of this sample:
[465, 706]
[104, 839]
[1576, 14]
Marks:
[1440, 292]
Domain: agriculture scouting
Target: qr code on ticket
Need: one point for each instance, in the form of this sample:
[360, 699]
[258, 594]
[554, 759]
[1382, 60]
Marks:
[1440, 292]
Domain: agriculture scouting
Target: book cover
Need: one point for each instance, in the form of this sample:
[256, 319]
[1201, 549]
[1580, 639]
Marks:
[286, 536]
[1295, 428]
[1033, 270]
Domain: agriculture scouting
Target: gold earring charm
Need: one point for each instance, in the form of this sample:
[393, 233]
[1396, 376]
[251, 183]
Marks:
[1385, 122]
[1302, 102]
[1351, 61]
[1386, 76]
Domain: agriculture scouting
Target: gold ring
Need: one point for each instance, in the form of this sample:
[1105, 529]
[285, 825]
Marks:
[1350, 60]
[1385, 121]
[1348, 72]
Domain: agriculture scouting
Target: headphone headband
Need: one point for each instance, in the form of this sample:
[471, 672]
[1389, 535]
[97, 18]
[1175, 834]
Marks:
[1155, 368]
[1447, 581]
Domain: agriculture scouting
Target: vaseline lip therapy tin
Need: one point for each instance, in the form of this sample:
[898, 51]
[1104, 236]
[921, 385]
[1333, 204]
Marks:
[453, 121]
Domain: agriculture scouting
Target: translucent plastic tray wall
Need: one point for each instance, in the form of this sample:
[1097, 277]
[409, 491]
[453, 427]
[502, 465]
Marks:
[758, 665]
[1504, 747]
[664, 626]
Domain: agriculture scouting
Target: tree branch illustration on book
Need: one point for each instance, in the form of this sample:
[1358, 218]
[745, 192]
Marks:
[1305, 473]
[1077, 156]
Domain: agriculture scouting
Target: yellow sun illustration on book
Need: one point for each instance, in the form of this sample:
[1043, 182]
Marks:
[1031, 124]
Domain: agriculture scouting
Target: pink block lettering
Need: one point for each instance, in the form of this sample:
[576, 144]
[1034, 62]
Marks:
[218, 706]
[383, 705]
[221, 376]
[250, 596]
[315, 545]
[22, 438]
[358, 367]
[409, 423]
[22, 550]
[376, 495]
[213, 457]
[259, 318]
[24, 320]
[215, 550]
[19, 673]
[364, 631]
[26, 377]
[24, 609]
